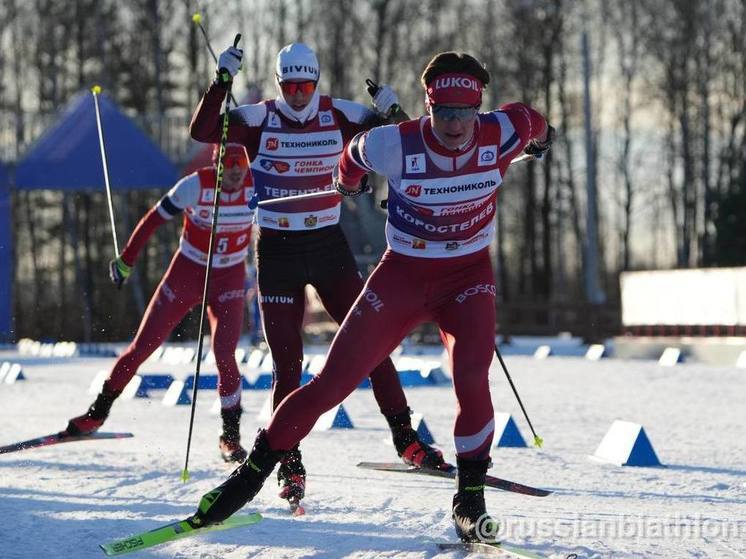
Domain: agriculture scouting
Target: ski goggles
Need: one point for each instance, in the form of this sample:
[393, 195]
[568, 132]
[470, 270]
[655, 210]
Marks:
[463, 114]
[304, 87]
[230, 161]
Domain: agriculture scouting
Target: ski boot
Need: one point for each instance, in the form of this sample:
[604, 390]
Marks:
[291, 477]
[94, 418]
[408, 445]
[230, 441]
[469, 513]
[240, 487]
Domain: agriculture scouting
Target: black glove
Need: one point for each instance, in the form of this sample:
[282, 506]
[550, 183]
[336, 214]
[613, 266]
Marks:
[537, 148]
[119, 272]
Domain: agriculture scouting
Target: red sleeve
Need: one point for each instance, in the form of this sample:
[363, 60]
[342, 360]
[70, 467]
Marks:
[207, 123]
[350, 172]
[143, 231]
[528, 123]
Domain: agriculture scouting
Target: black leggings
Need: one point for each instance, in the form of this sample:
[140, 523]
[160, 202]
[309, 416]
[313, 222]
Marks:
[287, 261]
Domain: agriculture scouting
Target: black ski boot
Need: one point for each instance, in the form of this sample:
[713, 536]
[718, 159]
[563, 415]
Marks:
[291, 477]
[240, 487]
[470, 517]
[408, 445]
[94, 418]
[230, 441]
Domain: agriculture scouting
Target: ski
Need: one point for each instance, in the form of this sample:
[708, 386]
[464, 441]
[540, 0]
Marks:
[450, 471]
[61, 437]
[174, 531]
[497, 549]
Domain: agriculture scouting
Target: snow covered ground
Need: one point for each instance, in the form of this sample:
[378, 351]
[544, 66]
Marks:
[64, 500]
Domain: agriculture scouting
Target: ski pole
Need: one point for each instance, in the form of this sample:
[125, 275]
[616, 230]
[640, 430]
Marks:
[538, 441]
[309, 196]
[96, 90]
[197, 18]
[208, 269]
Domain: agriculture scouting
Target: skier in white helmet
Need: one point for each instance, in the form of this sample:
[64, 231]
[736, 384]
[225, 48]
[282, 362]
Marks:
[294, 141]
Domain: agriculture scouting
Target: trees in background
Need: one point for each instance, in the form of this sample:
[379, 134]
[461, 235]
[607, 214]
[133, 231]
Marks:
[667, 128]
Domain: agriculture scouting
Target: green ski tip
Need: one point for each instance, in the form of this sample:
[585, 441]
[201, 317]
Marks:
[184, 475]
[538, 441]
[174, 531]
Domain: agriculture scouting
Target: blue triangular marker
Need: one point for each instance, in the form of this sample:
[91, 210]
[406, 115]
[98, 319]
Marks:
[15, 373]
[626, 444]
[643, 453]
[342, 419]
[335, 418]
[177, 395]
[419, 425]
[507, 433]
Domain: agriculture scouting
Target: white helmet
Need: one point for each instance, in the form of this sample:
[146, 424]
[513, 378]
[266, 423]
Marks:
[297, 61]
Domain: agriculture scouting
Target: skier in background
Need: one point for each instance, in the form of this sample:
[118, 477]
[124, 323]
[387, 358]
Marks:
[182, 286]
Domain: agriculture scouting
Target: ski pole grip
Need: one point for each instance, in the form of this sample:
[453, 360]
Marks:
[373, 89]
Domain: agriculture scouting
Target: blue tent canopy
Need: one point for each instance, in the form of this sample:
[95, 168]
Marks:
[6, 259]
[68, 157]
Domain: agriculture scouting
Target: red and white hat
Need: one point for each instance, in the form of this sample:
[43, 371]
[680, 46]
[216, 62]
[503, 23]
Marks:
[454, 88]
